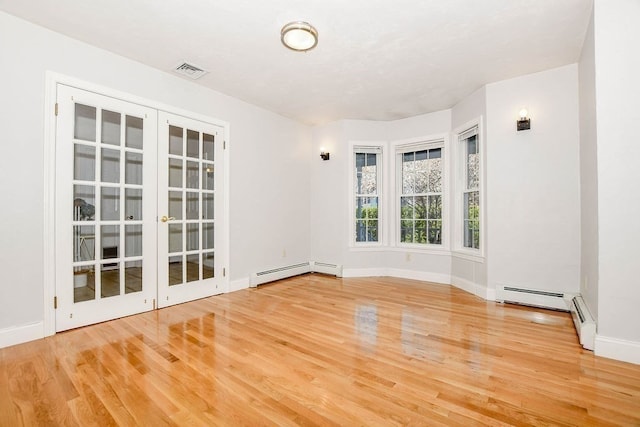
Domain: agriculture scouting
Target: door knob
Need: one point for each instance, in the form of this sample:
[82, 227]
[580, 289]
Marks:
[167, 218]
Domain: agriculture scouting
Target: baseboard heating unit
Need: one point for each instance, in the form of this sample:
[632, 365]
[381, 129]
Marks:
[533, 297]
[574, 304]
[583, 321]
[326, 268]
[280, 273]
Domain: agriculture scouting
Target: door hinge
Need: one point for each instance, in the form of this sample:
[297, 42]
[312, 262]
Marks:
[55, 303]
[224, 144]
[224, 272]
[56, 109]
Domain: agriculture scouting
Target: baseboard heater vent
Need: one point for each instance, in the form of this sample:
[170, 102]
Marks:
[278, 273]
[583, 321]
[294, 270]
[532, 297]
[326, 268]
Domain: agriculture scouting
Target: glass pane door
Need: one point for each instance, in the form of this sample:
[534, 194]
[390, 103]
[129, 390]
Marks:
[105, 208]
[189, 188]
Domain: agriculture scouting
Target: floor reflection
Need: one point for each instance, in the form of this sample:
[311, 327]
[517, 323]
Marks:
[414, 337]
[366, 323]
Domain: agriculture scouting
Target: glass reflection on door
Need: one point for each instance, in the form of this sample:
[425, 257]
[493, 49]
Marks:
[107, 203]
[191, 192]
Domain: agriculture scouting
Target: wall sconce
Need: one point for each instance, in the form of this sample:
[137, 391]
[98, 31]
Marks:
[524, 122]
[324, 155]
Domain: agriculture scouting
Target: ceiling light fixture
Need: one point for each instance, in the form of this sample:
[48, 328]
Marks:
[299, 36]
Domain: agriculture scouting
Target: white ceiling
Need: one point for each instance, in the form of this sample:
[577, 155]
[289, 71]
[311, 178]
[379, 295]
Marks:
[376, 59]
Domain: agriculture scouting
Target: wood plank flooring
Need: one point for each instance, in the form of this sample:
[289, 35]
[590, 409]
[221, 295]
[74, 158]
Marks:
[316, 350]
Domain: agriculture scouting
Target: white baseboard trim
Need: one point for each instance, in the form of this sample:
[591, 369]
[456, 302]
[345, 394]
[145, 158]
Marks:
[21, 334]
[424, 276]
[239, 284]
[364, 272]
[474, 288]
[618, 349]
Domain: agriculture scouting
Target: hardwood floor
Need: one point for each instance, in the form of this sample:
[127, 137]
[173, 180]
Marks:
[316, 350]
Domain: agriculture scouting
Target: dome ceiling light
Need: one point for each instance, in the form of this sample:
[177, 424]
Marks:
[299, 36]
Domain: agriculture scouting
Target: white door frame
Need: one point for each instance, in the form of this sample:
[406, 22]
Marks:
[49, 165]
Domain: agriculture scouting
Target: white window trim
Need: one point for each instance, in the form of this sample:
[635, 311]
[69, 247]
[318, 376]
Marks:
[457, 155]
[382, 204]
[411, 144]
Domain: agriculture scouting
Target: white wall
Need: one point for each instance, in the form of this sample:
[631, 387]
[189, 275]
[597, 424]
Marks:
[617, 65]
[422, 125]
[328, 204]
[532, 234]
[533, 188]
[467, 273]
[588, 175]
[269, 160]
[331, 198]
[470, 108]
[429, 266]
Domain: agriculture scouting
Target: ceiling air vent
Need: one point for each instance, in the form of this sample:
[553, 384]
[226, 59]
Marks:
[190, 70]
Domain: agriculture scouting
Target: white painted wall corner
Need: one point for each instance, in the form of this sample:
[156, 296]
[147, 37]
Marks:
[239, 284]
[474, 288]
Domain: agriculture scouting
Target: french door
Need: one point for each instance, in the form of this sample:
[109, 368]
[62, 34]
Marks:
[137, 199]
[190, 174]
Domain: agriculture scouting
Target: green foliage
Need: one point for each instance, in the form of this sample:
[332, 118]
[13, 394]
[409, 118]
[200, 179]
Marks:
[473, 227]
[421, 219]
[367, 224]
[370, 212]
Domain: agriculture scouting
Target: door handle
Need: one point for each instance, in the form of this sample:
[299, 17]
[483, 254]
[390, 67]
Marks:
[167, 218]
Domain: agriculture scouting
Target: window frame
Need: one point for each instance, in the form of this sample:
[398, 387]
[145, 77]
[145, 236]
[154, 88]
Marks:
[460, 189]
[398, 148]
[377, 147]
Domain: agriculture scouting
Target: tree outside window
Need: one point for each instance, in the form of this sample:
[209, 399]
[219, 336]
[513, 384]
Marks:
[366, 197]
[421, 196]
[471, 192]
